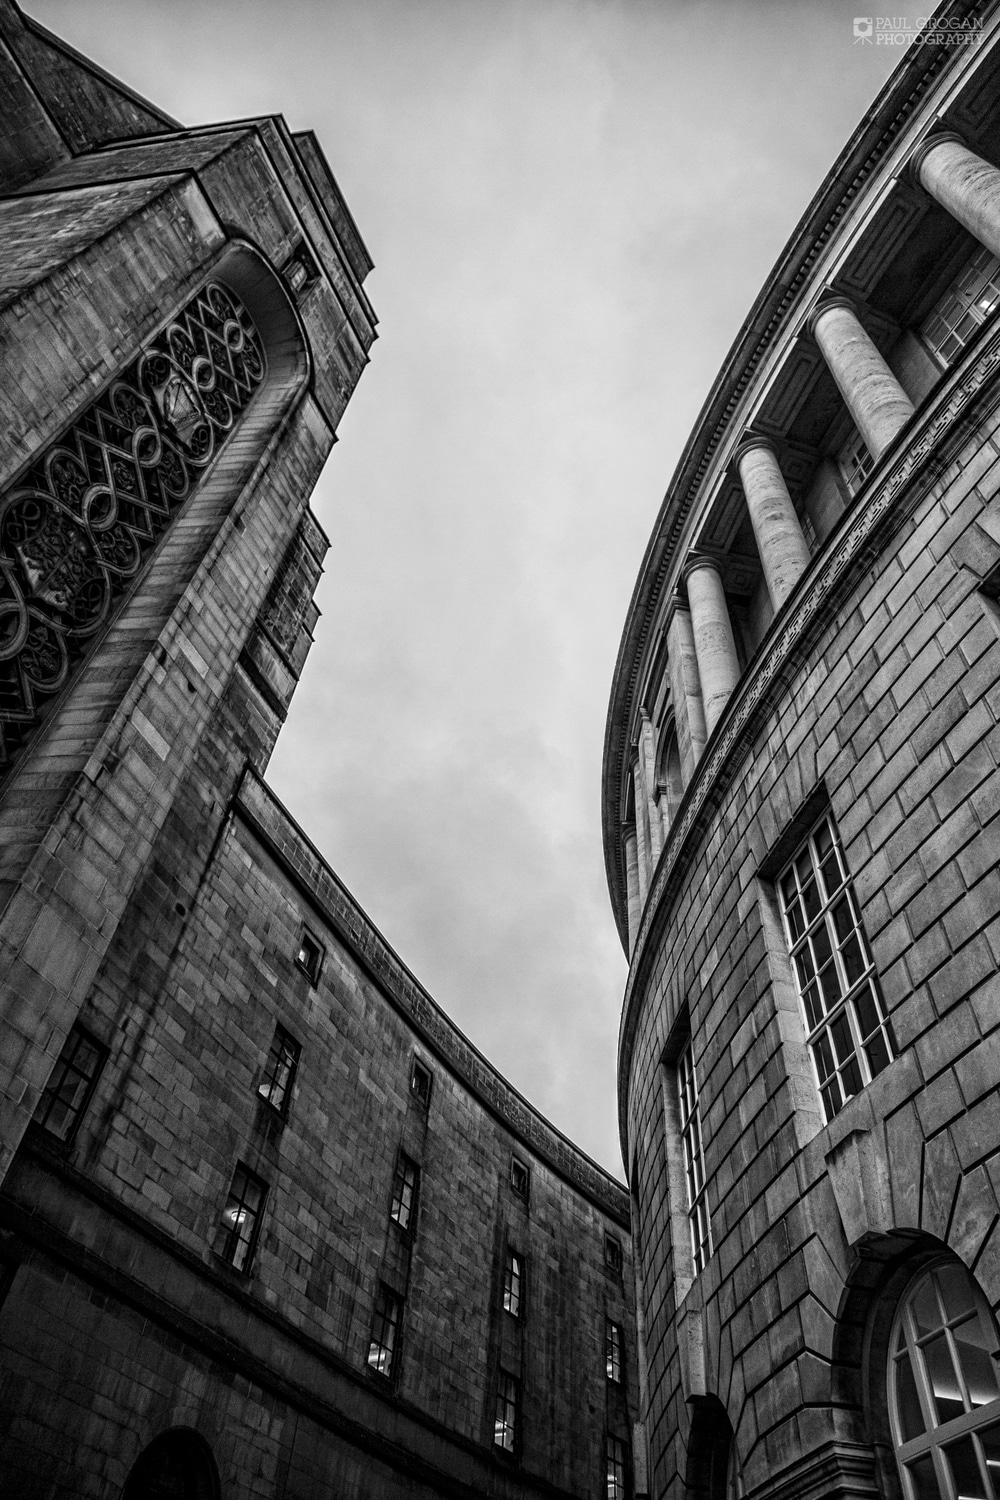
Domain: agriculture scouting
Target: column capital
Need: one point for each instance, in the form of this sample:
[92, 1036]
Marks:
[920, 155]
[751, 440]
[677, 602]
[830, 303]
[696, 560]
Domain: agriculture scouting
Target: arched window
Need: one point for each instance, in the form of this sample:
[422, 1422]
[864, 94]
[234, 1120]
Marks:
[177, 1465]
[944, 1397]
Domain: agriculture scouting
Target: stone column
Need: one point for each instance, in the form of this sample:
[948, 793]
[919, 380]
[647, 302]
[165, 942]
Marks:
[715, 648]
[964, 184]
[874, 397]
[784, 553]
[632, 887]
[685, 687]
[647, 769]
[642, 833]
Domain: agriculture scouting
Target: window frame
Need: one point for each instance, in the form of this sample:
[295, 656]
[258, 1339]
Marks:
[513, 1283]
[938, 1435]
[283, 1041]
[313, 969]
[855, 461]
[693, 1157]
[614, 1256]
[837, 945]
[232, 1238]
[959, 304]
[520, 1178]
[405, 1191]
[507, 1414]
[613, 1351]
[616, 1467]
[49, 1097]
[420, 1070]
[387, 1316]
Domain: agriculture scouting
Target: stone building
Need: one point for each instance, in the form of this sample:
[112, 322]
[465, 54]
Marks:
[801, 800]
[269, 1224]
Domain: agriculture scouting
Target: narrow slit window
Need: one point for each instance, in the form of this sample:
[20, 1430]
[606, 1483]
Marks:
[238, 1230]
[383, 1347]
[850, 1039]
[310, 956]
[694, 1160]
[512, 1273]
[613, 1351]
[613, 1254]
[505, 1423]
[71, 1085]
[275, 1088]
[404, 1191]
[420, 1084]
[520, 1178]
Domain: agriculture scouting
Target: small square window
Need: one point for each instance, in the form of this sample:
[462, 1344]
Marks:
[613, 1351]
[420, 1084]
[310, 956]
[613, 1254]
[616, 1469]
[520, 1177]
[512, 1274]
[237, 1235]
[71, 1084]
[384, 1345]
[275, 1088]
[404, 1191]
[505, 1423]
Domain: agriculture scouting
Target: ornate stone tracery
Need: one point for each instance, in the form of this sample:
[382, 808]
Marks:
[76, 529]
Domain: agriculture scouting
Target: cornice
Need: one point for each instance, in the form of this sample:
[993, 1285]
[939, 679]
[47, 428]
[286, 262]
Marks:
[894, 488]
[891, 113]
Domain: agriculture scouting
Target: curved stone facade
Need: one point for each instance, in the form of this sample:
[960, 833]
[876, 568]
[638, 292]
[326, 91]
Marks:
[801, 799]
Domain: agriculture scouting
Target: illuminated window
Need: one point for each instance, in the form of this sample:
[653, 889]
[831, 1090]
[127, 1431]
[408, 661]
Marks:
[512, 1284]
[944, 1399]
[71, 1084]
[849, 1037]
[855, 462]
[310, 956]
[964, 308]
[694, 1159]
[506, 1419]
[237, 1235]
[404, 1191]
[613, 1351]
[616, 1469]
[382, 1349]
[275, 1087]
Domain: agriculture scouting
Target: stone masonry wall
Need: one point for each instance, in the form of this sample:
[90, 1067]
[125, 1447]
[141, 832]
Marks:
[893, 718]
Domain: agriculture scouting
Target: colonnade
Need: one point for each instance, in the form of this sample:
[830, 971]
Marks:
[703, 663]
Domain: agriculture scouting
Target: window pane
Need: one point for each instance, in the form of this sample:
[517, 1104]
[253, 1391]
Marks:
[923, 1479]
[973, 1345]
[925, 1309]
[911, 1422]
[956, 1293]
[965, 1471]
[943, 1378]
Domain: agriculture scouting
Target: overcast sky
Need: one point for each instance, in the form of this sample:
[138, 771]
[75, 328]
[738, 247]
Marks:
[571, 205]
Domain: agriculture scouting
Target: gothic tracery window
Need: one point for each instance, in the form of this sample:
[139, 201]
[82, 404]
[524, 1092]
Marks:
[944, 1396]
[77, 527]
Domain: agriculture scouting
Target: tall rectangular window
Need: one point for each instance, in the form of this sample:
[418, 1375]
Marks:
[959, 314]
[310, 956]
[71, 1084]
[275, 1087]
[507, 1410]
[613, 1351]
[616, 1469]
[404, 1191]
[237, 1234]
[694, 1159]
[512, 1283]
[382, 1350]
[849, 1036]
